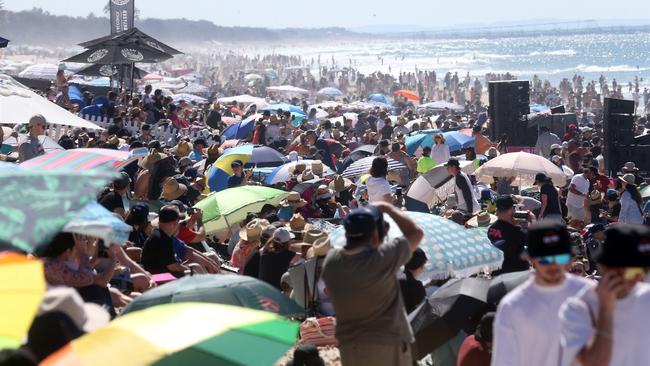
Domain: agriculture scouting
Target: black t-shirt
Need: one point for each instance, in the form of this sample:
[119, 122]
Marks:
[158, 252]
[386, 132]
[234, 181]
[552, 202]
[511, 240]
[274, 265]
[252, 267]
[138, 237]
[111, 201]
[413, 291]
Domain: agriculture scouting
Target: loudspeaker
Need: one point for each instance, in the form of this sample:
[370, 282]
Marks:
[558, 109]
[618, 106]
[509, 102]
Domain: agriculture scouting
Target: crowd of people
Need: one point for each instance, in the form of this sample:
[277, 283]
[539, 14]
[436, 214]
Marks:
[584, 240]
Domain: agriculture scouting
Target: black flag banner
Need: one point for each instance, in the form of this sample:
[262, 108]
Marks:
[122, 14]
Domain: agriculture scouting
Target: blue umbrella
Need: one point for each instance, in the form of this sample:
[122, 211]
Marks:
[239, 130]
[285, 107]
[456, 140]
[330, 92]
[221, 170]
[452, 250]
[95, 220]
[379, 98]
[534, 107]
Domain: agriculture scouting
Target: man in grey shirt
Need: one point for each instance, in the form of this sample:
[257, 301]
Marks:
[361, 279]
[544, 142]
[32, 147]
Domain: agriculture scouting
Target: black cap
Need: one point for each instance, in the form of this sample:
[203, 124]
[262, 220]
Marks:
[505, 202]
[168, 214]
[138, 214]
[453, 162]
[548, 238]
[361, 222]
[540, 178]
[626, 245]
[236, 162]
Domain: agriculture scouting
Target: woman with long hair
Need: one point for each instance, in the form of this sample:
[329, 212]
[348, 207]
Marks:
[440, 150]
[377, 184]
[631, 202]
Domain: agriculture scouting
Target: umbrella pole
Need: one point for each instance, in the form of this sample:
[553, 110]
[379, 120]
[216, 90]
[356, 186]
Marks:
[132, 68]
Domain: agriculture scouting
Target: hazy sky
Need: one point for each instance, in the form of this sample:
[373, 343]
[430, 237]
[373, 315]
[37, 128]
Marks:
[355, 13]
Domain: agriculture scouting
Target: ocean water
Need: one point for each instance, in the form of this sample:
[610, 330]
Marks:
[615, 55]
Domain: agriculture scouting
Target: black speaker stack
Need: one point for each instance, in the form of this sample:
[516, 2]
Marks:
[620, 145]
[509, 102]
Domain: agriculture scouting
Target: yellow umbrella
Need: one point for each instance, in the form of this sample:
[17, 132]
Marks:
[242, 152]
[22, 285]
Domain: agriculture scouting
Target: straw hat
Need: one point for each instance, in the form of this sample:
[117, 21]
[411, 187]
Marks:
[294, 200]
[628, 178]
[298, 168]
[628, 167]
[340, 184]
[297, 223]
[213, 152]
[183, 148]
[148, 161]
[252, 231]
[312, 235]
[320, 247]
[323, 193]
[172, 189]
[482, 219]
[305, 176]
[317, 167]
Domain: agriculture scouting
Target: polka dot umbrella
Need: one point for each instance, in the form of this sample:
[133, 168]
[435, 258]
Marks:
[453, 251]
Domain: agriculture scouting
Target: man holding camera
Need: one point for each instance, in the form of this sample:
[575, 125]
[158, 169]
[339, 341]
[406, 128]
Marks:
[508, 236]
[372, 327]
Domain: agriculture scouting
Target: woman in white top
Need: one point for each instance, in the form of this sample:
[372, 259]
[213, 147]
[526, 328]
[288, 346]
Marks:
[631, 202]
[440, 150]
[377, 185]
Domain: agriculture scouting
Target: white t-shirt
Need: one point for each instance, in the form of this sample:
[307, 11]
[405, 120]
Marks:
[526, 326]
[630, 326]
[440, 153]
[377, 189]
[582, 185]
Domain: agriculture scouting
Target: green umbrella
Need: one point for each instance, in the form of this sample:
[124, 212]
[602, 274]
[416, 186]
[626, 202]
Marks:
[37, 204]
[242, 291]
[230, 206]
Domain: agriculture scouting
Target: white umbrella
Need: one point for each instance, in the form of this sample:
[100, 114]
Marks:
[330, 92]
[441, 105]
[325, 105]
[251, 77]
[18, 104]
[194, 88]
[188, 98]
[288, 89]
[47, 143]
[435, 185]
[244, 98]
[362, 166]
[523, 166]
[42, 71]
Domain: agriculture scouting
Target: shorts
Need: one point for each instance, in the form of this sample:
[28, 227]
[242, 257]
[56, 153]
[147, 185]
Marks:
[576, 213]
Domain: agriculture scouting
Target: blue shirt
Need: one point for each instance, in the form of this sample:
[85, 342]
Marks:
[196, 156]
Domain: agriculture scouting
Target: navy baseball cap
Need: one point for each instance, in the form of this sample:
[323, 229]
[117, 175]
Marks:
[626, 245]
[361, 222]
[547, 238]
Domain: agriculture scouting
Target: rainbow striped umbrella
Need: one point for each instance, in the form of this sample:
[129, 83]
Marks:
[183, 334]
[81, 159]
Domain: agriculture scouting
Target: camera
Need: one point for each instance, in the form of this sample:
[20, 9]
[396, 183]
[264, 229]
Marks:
[521, 215]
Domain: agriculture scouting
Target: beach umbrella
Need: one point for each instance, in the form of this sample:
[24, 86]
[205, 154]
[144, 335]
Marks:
[285, 107]
[358, 153]
[18, 104]
[504, 283]
[458, 304]
[183, 334]
[283, 172]
[221, 170]
[435, 185]
[152, 77]
[330, 92]
[287, 89]
[132, 36]
[244, 99]
[442, 105]
[189, 98]
[76, 159]
[240, 130]
[96, 221]
[407, 94]
[119, 54]
[22, 285]
[42, 71]
[456, 140]
[230, 206]
[48, 144]
[523, 166]
[362, 166]
[112, 71]
[230, 120]
[379, 98]
[194, 88]
[36, 204]
[244, 291]
[452, 250]
[264, 156]
[251, 77]
[3, 42]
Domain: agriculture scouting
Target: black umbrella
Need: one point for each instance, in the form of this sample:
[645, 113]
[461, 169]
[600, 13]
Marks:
[3, 42]
[133, 35]
[357, 154]
[459, 304]
[109, 71]
[502, 284]
[117, 54]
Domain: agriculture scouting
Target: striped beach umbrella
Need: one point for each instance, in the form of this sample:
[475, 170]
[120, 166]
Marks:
[81, 159]
[362, 166]
[183, 334]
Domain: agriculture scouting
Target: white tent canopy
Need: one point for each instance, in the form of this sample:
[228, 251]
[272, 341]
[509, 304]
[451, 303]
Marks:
[42, 71]
[18, 104]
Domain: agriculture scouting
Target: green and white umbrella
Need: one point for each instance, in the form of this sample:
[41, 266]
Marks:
[453, 251]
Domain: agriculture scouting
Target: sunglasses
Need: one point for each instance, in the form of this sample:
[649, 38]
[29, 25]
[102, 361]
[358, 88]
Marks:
[560, 259]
